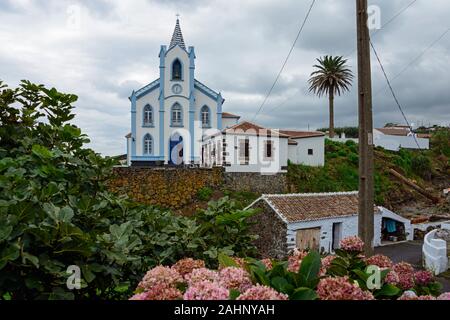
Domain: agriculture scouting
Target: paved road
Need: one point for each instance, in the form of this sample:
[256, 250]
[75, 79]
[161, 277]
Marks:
[409, 252]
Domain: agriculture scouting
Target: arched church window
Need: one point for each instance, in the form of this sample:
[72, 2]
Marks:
[148, 115]
[148, 144]
[205, 116]
[176, 70]
[177, 115]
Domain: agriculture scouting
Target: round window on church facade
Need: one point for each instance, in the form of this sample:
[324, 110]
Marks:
[176, 89]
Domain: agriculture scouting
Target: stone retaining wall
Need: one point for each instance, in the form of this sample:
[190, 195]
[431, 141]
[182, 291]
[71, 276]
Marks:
[256, 182]
[175, 187]
[168, 187]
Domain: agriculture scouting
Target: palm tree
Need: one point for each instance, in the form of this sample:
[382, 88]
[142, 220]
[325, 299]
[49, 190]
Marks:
[331, 77]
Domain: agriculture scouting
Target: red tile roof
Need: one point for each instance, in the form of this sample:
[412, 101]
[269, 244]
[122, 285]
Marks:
[296, 134]
[394, 131]
[313, 206]
[250, 128]
[229, 115]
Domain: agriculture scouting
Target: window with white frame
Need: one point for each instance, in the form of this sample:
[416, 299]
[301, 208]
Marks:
[176, 70]
[205, 117]
[268, 149]
[148, 144]
[148, 115]
[244, 150]
[177, 115]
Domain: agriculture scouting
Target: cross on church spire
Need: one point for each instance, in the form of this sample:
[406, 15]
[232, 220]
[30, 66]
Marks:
[177, 37]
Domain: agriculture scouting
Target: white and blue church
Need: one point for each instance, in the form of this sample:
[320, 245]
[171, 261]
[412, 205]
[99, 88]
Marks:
[169, 114]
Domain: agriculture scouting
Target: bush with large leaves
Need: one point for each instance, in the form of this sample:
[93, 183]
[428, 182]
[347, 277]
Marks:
[55, 210]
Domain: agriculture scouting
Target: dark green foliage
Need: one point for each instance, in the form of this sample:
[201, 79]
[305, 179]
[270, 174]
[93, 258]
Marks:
[297, 285]
[205, 193]
[440, 142]
[224, 227]
[350, 132]
[421, 165]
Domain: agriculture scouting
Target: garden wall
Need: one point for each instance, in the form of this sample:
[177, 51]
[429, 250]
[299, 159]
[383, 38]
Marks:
[168, 187]
[256, 182]
[175, 187]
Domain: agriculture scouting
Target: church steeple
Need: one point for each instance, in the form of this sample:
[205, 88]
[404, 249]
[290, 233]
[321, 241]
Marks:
[177, 37]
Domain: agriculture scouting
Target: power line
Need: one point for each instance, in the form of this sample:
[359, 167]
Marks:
[393, 93]
[416, 58]
[354, 49]
[286, 60]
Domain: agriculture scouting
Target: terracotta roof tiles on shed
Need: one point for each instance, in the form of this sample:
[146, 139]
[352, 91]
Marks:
[313, 206]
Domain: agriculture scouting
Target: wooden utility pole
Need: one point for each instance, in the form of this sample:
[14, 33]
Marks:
[366, 197]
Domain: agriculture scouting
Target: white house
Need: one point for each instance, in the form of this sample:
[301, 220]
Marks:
[396, 137]
[248, 147]
[177, 120]
[306, 147]
[318, 221]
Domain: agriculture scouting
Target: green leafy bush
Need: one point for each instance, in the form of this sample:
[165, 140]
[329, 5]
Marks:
[205, 193]
[421, 165]
[225, 228]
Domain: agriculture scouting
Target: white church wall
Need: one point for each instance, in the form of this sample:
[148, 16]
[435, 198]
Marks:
[201, 100]
[151, 99]
[180, 54]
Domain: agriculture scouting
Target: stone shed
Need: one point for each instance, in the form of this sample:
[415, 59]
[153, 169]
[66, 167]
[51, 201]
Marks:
[311, 220]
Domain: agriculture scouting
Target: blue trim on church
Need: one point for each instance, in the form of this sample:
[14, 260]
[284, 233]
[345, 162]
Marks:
[191, 99]
[219, 111]
[162, 66]
[133, 124]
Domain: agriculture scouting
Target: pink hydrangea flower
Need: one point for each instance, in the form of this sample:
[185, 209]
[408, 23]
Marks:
[423, 277]
[325, 264]
[408, 295]
[353, 243]
[186, 265]
[234, 278]
[206, 290]
[268, 263]
[444, 296]
[295, 260]
[405, 272]
[162, 291]
[392, 278]
[339, 288]
[260, 292]
[160, 275]
[201, 274]
[403, 267]
[379, 260]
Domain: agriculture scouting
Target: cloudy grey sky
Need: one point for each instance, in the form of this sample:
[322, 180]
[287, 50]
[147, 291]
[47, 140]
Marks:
[103, 49]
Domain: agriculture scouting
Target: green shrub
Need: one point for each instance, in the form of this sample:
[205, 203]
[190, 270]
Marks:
[421, 165]
[225, 228]
[205, 193]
